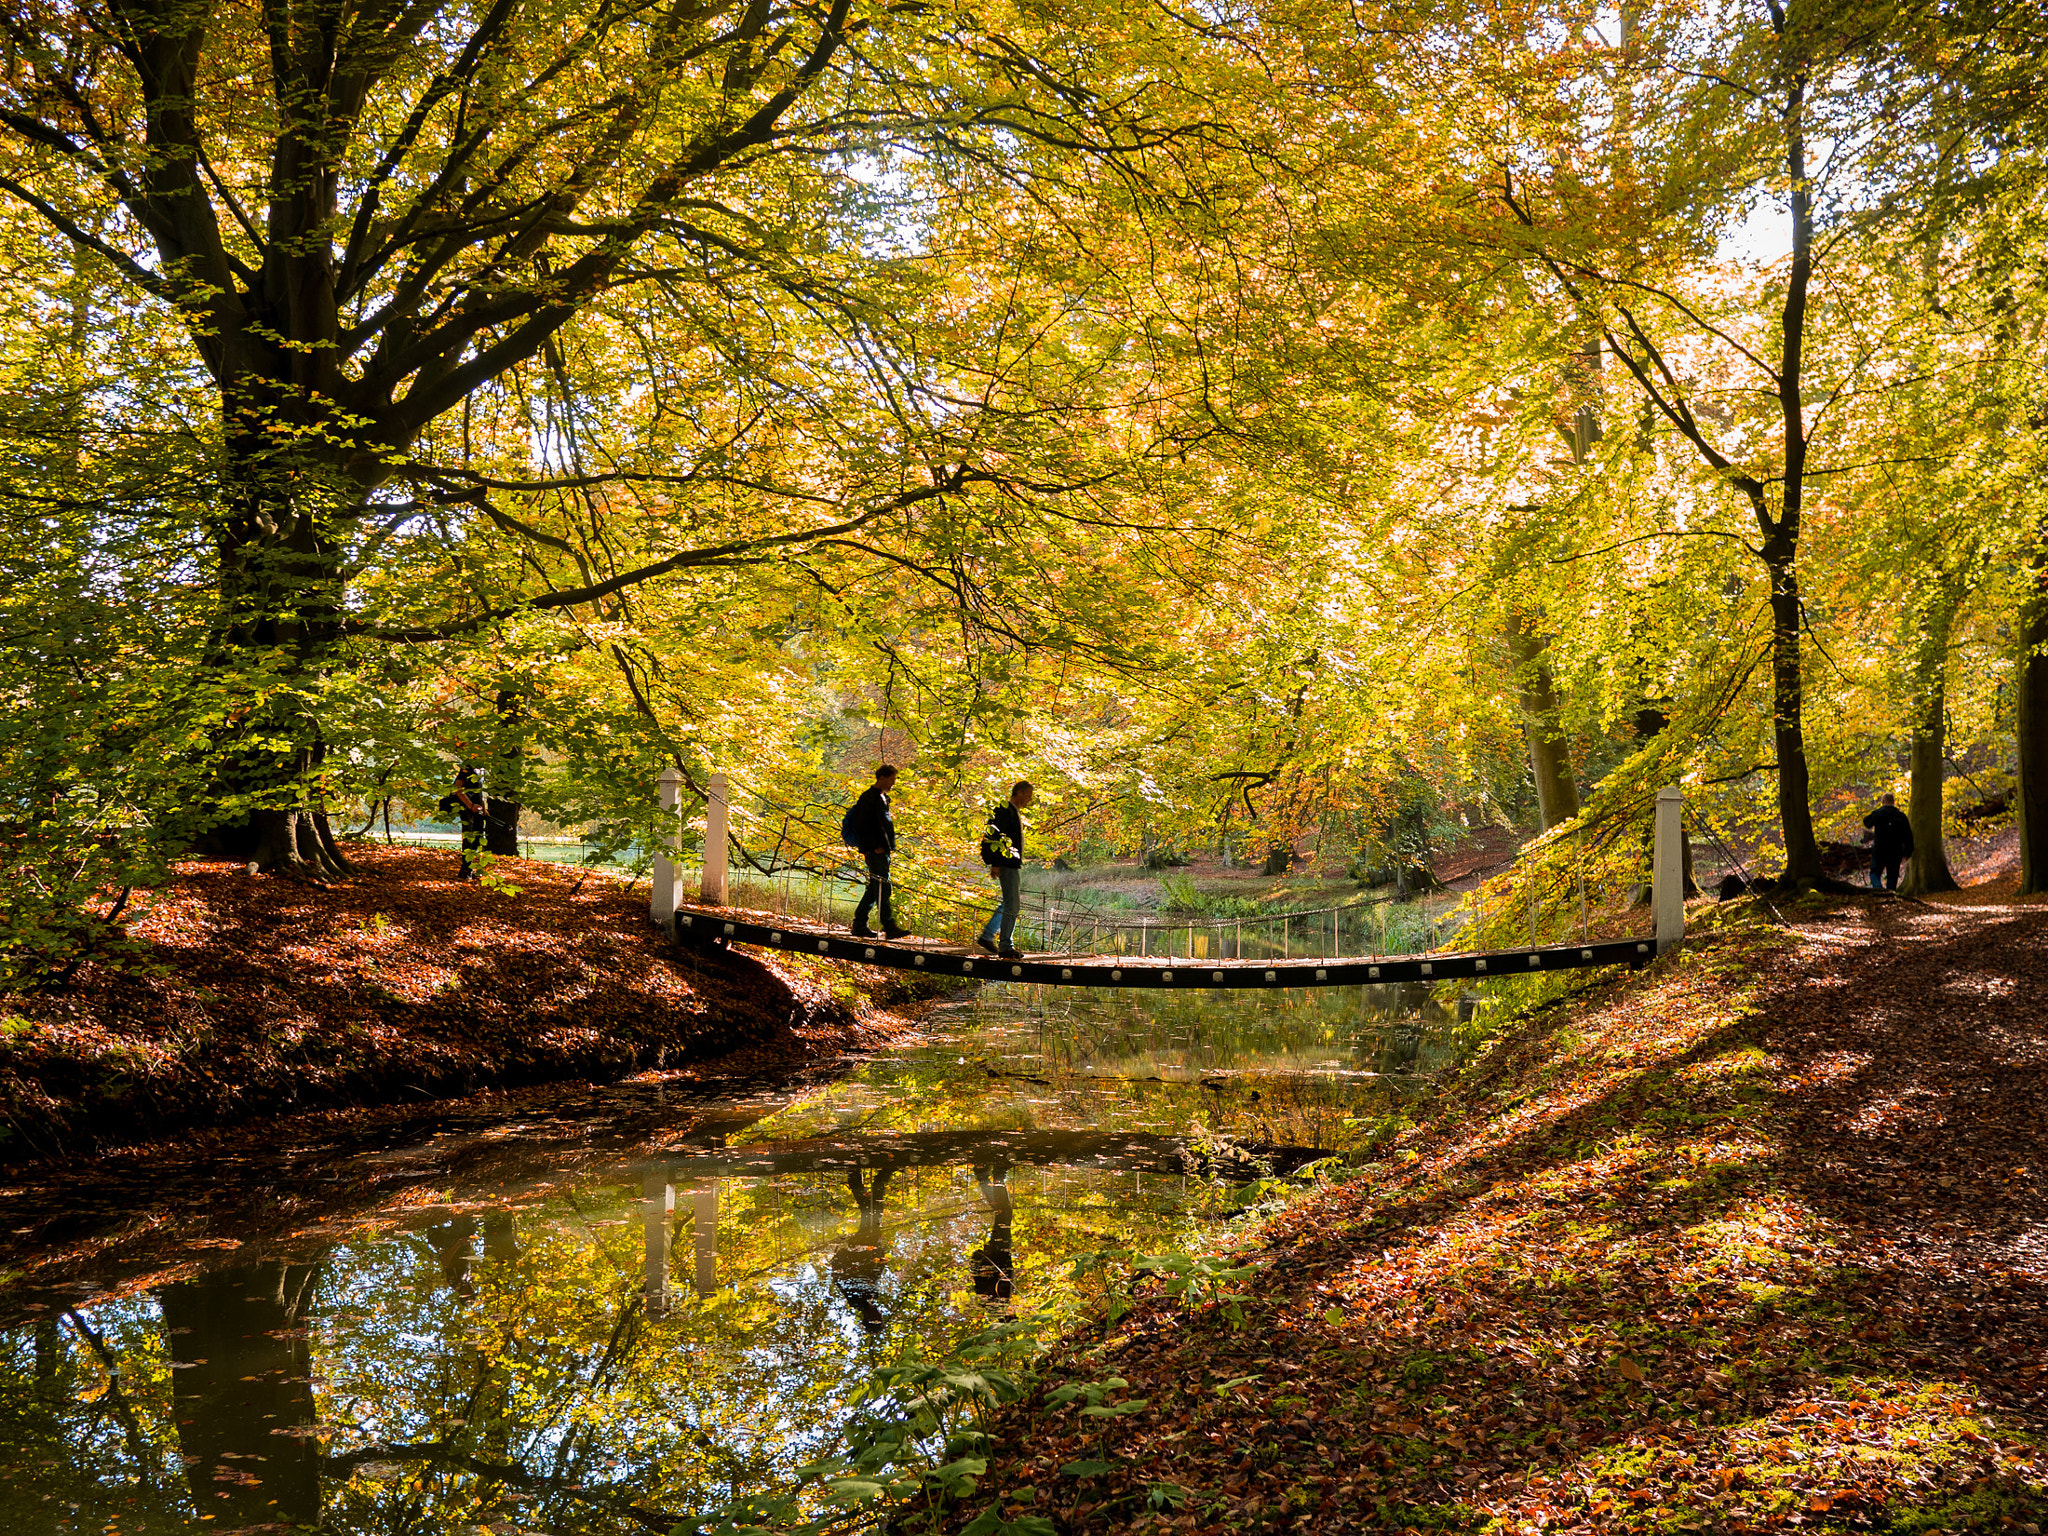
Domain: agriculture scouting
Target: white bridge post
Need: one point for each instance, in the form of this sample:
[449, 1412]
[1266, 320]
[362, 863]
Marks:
[668, 839]
[704, 1221]
[1667, 877]
[657, 1209]
[717, 819]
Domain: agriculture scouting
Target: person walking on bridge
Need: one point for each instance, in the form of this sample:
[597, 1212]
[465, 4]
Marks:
[1891, 843]
[871, 828]
[1002, 850]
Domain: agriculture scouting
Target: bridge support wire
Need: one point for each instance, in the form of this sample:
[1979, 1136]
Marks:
[709, 927]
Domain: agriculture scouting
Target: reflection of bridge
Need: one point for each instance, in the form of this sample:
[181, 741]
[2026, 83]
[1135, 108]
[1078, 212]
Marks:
[714, 924]
[1132, 1152]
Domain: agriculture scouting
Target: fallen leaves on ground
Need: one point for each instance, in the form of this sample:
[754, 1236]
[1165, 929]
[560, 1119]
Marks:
[261, 995]
[1757, 1242]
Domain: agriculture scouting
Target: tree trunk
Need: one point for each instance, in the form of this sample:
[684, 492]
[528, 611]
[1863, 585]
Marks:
[281, 603]
[1550, 757]
[1781, 535]
[1929, 872]
[503, 781]
[2033, 740]
[1788, 730]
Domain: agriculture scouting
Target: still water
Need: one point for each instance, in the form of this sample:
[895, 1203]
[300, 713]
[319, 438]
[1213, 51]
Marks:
[687, 1319]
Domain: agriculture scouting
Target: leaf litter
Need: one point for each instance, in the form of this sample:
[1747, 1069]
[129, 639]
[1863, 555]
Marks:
[1758, 1241]
[260, 995]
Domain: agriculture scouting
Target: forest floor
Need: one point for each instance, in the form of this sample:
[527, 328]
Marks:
[238, 996]
[1757, 1240]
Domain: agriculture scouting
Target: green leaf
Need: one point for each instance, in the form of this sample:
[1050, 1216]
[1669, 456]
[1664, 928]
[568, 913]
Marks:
[1115, 1410]
[990, 1522]
[853, 1490]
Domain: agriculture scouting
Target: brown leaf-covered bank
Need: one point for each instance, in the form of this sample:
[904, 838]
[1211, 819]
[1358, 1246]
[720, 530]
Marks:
[1757, 1241]
[250, 995]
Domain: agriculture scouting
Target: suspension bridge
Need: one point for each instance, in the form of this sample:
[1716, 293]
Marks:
[711, 923]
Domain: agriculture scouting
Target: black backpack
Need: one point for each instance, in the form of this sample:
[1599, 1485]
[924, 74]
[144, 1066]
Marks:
[995, 844]
[849, 834]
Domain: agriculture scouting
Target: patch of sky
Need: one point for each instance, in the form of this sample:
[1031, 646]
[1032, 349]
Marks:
[892, 227]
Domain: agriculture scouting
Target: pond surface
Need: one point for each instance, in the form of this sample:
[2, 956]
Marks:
[666, 1325]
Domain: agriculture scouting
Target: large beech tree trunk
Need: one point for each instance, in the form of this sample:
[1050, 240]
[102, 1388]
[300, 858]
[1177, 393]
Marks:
[282, 599]
[271, 800]
[1928, 872]
[501, 830]
[1780, 548]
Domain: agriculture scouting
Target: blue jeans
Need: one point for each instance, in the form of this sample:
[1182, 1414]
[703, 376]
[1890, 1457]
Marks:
[1884, 870]
[1012, 882]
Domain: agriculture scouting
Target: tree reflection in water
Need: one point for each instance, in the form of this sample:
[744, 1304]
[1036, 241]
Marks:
[242, 1394]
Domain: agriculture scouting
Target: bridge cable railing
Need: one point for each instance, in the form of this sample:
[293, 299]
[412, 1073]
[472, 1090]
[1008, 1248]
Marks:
[1669, 839]
[1298, 933]
[1059, 927]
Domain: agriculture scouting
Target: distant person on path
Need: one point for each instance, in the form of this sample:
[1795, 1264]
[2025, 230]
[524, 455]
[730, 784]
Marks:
[467, 803]
[1891, 843]
[1002, 850]
[871, 828]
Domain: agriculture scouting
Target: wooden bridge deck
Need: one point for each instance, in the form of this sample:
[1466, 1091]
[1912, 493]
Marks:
[701, 925]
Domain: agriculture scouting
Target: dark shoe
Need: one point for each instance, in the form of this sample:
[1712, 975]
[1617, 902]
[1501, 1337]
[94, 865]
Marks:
[985, 942]
[892, 934]
[1011, 952]
[864, 932]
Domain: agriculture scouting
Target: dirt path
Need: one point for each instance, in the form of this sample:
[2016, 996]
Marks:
[1759, 1241]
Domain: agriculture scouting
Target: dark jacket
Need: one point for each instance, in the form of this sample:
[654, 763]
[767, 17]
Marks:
[1002, 845]
[467, 782]
[1891, 833]
[873, 825]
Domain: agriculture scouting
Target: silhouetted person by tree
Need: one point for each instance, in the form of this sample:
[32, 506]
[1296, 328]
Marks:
[1891, 843]
[467, 803]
